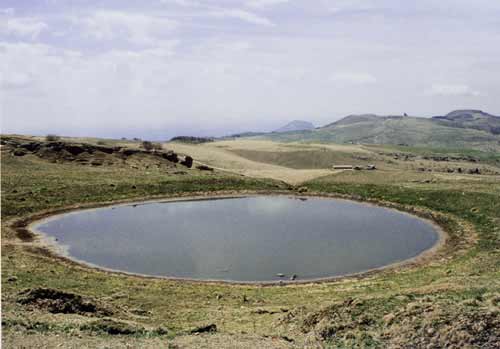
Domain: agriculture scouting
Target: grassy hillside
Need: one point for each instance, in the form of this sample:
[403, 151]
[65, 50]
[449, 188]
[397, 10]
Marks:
[475, 119]
[414, 131]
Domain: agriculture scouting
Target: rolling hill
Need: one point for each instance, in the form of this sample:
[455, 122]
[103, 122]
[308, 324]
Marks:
[459, 129]
[296, 125]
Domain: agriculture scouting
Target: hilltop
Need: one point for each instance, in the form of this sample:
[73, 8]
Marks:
[295, 125]
[469, 118]
[459, 129]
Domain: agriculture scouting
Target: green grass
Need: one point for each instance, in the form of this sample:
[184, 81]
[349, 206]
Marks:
[463, 273]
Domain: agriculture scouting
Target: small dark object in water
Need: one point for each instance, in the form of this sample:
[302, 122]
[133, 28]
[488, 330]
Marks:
[293, 277]
[203, 329]
[280, 275]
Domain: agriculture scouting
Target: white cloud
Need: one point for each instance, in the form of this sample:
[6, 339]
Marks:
[265, 3]
[452, 90]
[26, 27]
[137, 28]
[243, 15]
[353, 78]
[7, 11]
[186, 3]
[14, 80]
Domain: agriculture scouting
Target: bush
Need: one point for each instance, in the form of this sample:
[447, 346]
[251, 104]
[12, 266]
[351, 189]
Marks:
[52, 138]
[151, 145]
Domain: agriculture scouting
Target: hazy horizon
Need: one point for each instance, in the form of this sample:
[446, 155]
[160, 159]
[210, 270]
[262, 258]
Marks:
[160, 68]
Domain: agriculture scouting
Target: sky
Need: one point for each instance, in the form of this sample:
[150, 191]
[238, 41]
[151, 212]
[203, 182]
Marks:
[159, 68]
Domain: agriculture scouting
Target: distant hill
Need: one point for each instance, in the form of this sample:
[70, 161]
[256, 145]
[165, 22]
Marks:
[470, 118]
[296, 125]
[458, 129]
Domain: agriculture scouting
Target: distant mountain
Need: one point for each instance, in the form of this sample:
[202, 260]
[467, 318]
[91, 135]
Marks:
[470, 118]
[465, 129]
[296, 125]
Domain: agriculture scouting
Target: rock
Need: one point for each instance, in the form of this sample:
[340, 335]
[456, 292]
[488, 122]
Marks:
[171, 156]
[188, 161]
[204, 168]
[203, 329]
[293, 277]
[280, 275]
[161, 331]
[12, 278]
[19, 152]
[371, 167]
[74, 149]
[31, 146]
[129, 152]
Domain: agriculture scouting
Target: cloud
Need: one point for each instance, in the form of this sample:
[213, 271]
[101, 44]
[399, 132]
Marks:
[243, 15]
[185, 3]
[15, 80]
[265, 3]
[452, 90]
[26, 27]
[353, 78]
[7, 11]
[137, 28]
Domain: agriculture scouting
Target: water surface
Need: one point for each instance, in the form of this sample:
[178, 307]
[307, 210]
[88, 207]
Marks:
[242, 239]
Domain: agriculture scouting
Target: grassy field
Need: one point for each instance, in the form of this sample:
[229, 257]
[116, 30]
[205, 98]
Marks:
[451, 300]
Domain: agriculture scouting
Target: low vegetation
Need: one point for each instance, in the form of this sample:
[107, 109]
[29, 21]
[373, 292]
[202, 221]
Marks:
[449, 301]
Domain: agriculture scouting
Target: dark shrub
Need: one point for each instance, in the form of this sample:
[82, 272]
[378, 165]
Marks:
[52, 138]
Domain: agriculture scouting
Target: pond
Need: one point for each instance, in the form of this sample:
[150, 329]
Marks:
[245, 239]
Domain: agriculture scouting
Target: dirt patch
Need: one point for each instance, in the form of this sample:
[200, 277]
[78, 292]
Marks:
[56, 301]
[112, 327]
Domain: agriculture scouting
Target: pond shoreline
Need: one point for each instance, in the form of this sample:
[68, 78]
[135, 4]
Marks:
[51, 248]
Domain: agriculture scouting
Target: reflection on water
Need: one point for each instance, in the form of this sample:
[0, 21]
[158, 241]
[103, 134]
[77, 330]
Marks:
[242, 239]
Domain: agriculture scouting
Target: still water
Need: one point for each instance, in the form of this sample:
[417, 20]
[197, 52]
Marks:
[242, 239]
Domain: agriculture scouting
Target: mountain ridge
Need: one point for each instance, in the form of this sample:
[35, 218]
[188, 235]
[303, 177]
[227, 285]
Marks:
[462, 128]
